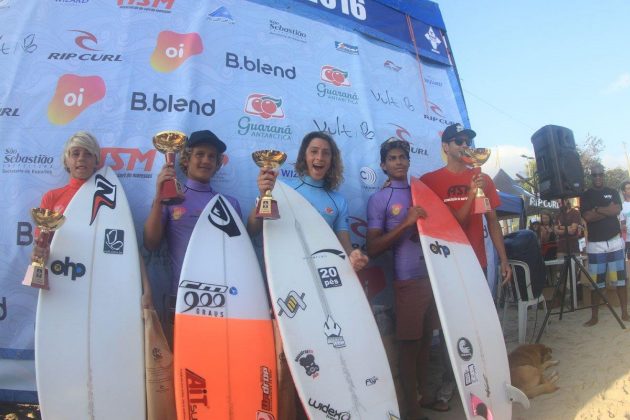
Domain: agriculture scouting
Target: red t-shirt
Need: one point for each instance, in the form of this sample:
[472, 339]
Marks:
[58, 199]
[453, 188]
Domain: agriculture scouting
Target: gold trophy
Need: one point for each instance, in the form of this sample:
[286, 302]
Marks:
[267, 207]
[47, 221]
[170, 142]
[476, 158]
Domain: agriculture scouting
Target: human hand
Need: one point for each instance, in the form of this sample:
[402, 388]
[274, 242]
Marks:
[266, 180]
[413, 214]
[358, 259]
[166, 173]
[478, 181]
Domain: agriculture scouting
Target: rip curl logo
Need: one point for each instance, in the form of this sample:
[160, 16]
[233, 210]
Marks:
[114, 242]
[83, 38]
[334, 76]
[436, 109]
[265, 106]
[173, 49]
[73, 95]
[222, 219]
[105, 195]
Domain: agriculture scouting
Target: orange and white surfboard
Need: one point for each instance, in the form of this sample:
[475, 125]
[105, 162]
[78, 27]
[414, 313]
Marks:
[224, 348]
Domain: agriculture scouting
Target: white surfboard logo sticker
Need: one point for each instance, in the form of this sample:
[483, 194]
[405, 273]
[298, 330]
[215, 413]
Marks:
[105, 195]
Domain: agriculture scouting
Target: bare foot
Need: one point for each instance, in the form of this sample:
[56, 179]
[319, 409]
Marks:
[590, 322]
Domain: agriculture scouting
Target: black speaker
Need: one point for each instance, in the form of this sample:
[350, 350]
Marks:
[560, 173]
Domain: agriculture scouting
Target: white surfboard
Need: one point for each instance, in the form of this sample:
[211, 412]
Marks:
[467, 313]
[330, 338]
[89, 336]
[224, 347]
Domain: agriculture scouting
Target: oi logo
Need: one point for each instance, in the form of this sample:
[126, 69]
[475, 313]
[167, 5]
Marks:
[73, 95]
[173, 49]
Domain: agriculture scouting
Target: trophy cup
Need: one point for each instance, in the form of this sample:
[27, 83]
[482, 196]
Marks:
[170, 142]
[47, 221]
[268, 159]
[476, 158]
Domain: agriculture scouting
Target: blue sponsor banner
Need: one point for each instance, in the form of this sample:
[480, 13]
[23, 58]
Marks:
[392, 22]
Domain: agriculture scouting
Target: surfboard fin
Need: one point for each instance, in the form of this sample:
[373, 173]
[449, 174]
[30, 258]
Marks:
[517, 396]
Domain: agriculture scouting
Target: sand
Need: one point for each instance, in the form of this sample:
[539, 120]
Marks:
[594, 368]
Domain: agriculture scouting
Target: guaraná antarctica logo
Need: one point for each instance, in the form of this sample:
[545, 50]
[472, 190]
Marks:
[173, 49]
[338, 78]
[73, 95]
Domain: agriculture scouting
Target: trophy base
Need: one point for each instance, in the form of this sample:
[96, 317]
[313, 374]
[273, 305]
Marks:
[37, 277]
[171, 193]
[267, 209]
[482, 205]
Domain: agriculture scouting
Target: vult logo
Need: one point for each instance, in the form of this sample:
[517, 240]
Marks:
[436, 248]
[73, 95]
[173, 49]
[68, 268]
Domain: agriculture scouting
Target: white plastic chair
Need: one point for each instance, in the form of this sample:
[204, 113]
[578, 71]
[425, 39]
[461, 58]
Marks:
[524, 302]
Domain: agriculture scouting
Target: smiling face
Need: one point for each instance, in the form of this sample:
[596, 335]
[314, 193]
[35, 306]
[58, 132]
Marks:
[81, 163]
[396, 164]
[318, 158]
[203, 163]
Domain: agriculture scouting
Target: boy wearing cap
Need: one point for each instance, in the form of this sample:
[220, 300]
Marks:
[392, 225]
[200, 160]
[600, 207]
[456, 185]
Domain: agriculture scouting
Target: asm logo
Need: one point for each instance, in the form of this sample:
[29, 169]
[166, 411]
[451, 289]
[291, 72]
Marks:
[127, 158]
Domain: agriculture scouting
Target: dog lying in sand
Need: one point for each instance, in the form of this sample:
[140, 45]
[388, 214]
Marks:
[528, 363]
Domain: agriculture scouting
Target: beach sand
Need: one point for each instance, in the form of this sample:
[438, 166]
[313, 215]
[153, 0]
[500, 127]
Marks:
[594, 368]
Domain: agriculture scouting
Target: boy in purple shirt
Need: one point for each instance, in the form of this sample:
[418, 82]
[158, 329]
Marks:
[392, 225]
[200, 160]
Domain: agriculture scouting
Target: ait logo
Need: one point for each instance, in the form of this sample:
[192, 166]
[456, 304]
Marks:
[196, 393]
[85, 37]
[334, 76]
[114, 242]
[222, 14]
[433, 39]
[105, 195]
[173, 49]
[391, 65]
[265, 106]
[73, 95]
[222, 219]
[291, 304]
[333, 333]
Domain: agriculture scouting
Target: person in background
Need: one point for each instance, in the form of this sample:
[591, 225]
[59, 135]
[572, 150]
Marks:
[605, 247]
[547, 236]
[81, 157]
[392, 225]
[625, 215]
